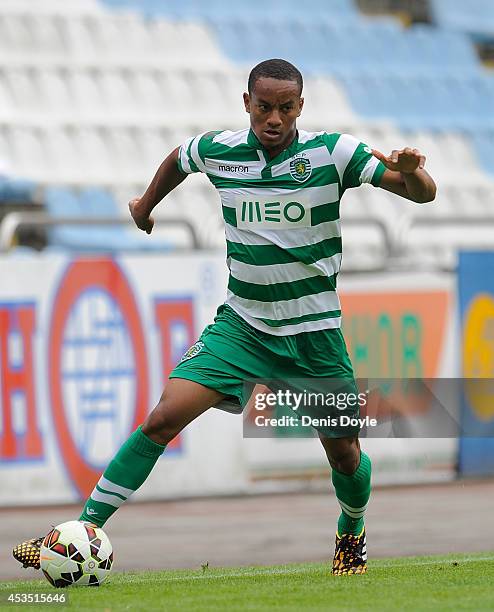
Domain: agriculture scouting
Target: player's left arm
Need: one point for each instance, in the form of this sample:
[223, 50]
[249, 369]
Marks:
[405, 175]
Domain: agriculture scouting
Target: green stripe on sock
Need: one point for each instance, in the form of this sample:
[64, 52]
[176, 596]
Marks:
[110, 492]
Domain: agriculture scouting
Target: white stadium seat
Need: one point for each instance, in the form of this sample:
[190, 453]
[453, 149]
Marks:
[123, 37]
[450, 157]
[93, 151]
[118, 94]
[79, 41]
[55, 95]
[127, 154]
[63, 162]
[432, 246]
[7, 105]
[325, 104]
[151, 98]
[88, 97]
[47, 37]
[28, 153]
[185, 44]
[15, 37]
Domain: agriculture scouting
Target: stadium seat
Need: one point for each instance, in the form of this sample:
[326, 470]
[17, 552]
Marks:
[46, 37]
[14, 189]
[88, 97]
[92, 203]
[26, 150]
[97, 202]
[484, 143]
[128, 159]
[123, 38]
[364, 247]
[24, 90]
[60, 202]
[93, 154]
[433, 246]
[475, 17]
[7, 106]
[439, 102]
[450, 157]
[325, 104]
[15, 38]
[437, 50]
[61, 163]
[56, 99]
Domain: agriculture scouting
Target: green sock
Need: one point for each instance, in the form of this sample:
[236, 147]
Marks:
[353, 493]
[125, 474]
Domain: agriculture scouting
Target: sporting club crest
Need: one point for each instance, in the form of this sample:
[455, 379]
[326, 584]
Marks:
[193, 351]
[300, 169]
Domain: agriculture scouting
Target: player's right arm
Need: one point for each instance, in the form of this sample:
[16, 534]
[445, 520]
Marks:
[168, 176]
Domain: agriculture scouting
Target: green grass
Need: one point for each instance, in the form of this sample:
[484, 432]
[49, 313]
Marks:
[455, 582]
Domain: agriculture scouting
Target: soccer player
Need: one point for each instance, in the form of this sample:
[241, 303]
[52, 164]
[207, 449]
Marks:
[280, 191]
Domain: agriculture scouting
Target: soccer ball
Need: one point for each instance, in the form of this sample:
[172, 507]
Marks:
[76, 553]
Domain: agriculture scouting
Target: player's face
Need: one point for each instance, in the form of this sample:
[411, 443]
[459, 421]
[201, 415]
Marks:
[274, 106]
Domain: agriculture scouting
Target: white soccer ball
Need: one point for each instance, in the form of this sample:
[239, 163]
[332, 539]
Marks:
[76, 553]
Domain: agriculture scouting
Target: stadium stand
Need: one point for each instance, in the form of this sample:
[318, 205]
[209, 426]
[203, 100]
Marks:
[94, 94]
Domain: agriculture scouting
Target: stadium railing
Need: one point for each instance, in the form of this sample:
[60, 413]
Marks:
[13, 221]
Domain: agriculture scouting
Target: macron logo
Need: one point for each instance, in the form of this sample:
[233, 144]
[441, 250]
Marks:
[232, 168]
[90, 511]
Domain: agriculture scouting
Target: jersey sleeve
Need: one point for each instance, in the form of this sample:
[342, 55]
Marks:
[192, 153]
[355, 162]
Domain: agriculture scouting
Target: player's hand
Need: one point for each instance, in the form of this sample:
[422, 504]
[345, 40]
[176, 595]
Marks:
[143, 221]
[405, 160]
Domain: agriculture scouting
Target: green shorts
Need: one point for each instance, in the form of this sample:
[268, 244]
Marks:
[230, 352]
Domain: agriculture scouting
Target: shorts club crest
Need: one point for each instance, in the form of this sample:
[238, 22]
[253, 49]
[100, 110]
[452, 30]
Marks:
[194, 350]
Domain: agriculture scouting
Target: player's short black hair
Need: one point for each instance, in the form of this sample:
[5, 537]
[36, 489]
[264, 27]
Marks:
[275, 69]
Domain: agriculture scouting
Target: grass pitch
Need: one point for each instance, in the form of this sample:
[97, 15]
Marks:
[455, 582]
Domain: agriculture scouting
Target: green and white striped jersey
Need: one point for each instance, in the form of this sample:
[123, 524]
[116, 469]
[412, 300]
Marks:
[282, 221]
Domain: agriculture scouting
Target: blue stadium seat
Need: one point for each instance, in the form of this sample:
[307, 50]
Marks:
[96, 202]
[16, 189]
[475, 17]
[436, 50]
[230, 40]
[92, 202]
[251, 40]
[430, 101]
[62, 202]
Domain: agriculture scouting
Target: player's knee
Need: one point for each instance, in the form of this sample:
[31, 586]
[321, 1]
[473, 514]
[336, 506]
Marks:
[159, 426]
[346, 463]
[343, 454]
